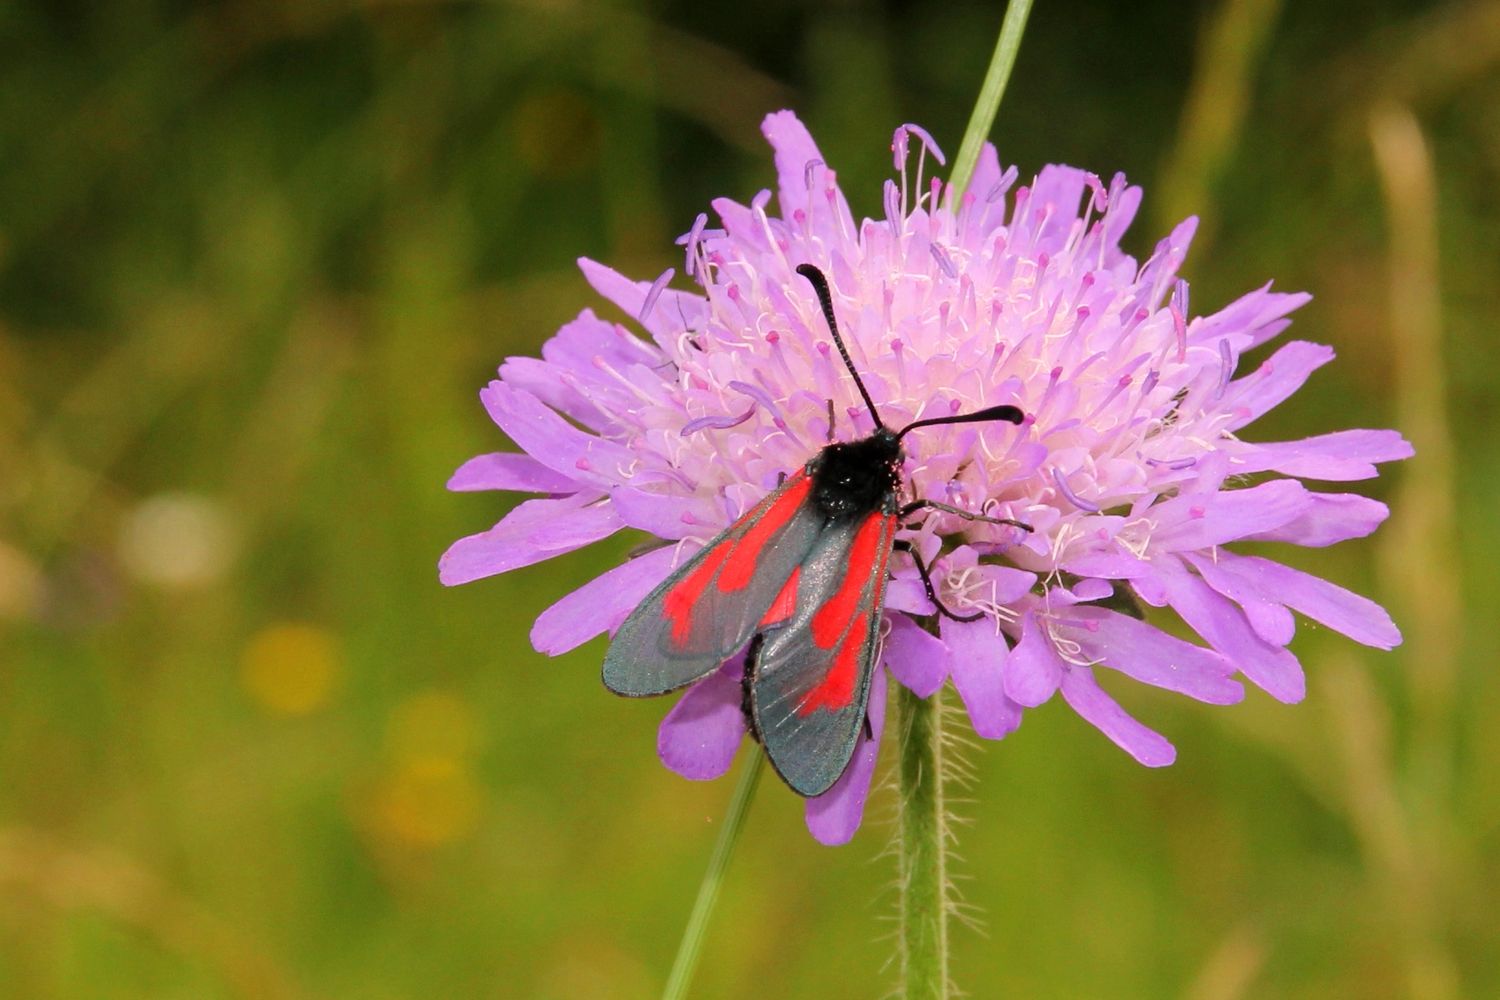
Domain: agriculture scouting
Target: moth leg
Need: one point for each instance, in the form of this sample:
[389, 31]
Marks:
[917, 505]
[902, 545]
[869, 729]
[830, 421]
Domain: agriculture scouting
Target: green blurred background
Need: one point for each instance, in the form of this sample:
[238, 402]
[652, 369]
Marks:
[256, 259]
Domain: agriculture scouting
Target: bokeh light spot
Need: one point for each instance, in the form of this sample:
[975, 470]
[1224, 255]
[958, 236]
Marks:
[291, 668]
[176, 540]
[428, 801]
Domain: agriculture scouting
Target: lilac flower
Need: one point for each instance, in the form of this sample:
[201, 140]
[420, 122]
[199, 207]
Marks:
[1130, 466]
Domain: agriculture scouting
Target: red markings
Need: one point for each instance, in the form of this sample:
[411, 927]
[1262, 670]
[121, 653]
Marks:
[832, 624]
[836, 689]
[833, 617]
[678, 603]
[741, 568]
[785, 604]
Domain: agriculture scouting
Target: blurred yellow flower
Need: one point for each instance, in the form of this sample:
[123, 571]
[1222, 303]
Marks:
[291, 668]
[427, 801]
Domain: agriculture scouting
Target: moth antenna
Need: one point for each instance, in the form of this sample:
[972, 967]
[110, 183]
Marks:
[820, 286]
[1006, 412]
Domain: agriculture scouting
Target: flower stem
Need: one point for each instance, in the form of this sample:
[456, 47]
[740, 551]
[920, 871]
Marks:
[708, 891]
[985, 108]
[923, 848]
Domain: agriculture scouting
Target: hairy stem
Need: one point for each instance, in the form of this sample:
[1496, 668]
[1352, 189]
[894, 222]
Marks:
[990, 92]
[923, 848]
[708, 891]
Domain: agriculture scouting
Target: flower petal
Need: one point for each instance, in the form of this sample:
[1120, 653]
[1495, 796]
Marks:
[976, 662]
[554, 442]
[1088, 699]
[1330, 518]
[1360, 618]
[904, 592]
[1280, 375]
[804, 181]
[533, 531]
[833, 816]
[699, 736]
[1267, 615]
[601, 604]
[509, 471]
[1033, 670]
[1151, 656]
[662, 515]
[915, 656]
[1201, 521]
[1223, 625]
[1338, 457]
[1255, 316]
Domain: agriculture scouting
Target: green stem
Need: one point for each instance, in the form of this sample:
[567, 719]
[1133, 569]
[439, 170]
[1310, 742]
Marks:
[995, 78]
[708, 892]
[923, 848]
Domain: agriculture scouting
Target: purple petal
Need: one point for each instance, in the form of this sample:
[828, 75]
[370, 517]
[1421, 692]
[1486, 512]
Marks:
[661, 515]
[1339, 457]
[1254, 318]
[904, 592]
[1088, 699]
[533, 531]
[1033, 670]
[986, 172]
[509, 471]
[1224, 626]
[554, 442]
[1280, 375]
[568, 376]
[976, 662]
[915, 656]
[1151, 656]
[671, 313]
[1055, 196]
[1108, 566]
[1266, 614]
[1089, 589]
[1360, 618]
[699, 736]
[1007, 584]
[1330, 518]
[1200, 521]
[601, 604]
[795, 149]
[833, 816]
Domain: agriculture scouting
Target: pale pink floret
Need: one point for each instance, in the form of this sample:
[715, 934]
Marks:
[1130, 466]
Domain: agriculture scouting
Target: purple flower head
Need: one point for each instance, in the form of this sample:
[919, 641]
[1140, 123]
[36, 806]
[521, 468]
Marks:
[1130, 466]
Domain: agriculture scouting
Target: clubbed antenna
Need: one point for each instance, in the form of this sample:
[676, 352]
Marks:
[1003, 412]
[820, 286]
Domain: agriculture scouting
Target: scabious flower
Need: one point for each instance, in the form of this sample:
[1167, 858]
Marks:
[1129, 467]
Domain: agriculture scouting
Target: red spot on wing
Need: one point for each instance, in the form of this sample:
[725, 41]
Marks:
[786, 602]
[741, 567]
[832, 619]
[836, 689]
[678, 603]
[867, 553]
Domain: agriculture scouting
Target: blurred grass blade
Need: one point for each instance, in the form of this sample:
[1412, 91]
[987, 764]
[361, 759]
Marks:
[713, 879]
[990, 92]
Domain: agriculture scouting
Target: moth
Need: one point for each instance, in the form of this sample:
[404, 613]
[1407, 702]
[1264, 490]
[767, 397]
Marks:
[799, 579]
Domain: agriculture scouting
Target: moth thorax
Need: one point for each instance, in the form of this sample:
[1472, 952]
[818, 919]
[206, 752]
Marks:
[855, 478]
